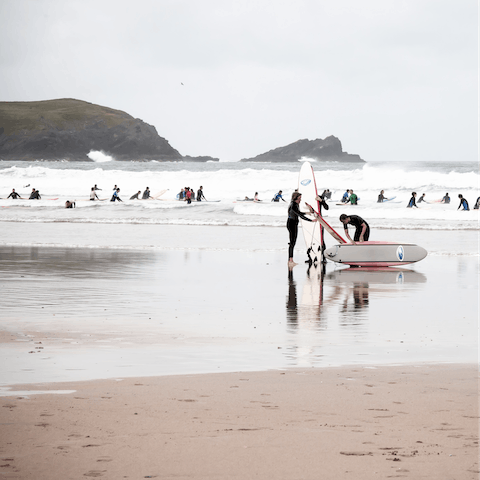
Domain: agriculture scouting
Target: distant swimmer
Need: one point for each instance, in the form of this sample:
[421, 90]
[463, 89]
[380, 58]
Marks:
[422, 199]
[278, 197]
[116, 196]
[93, 195]
[345, 196]
[35, 195]
[292, 223]
[362, 229]
[327, 194]
[146, 194]
[14, 195]
[255, 198]
[96, 188]
[381, 197]
[445, 199]
[463, 203]
[69, 204]
[412, 203]
[135, 197]
[200, 195]
[353, 198]
[477, 204]
[25, 186]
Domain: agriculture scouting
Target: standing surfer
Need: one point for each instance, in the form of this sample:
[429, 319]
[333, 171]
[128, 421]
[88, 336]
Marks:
[292, 223]
[200, 194]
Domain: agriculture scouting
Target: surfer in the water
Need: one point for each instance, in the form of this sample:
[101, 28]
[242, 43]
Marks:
[278, 197]
[146, 194]
[200, 195]
[362, 229]
[292, 223]
[135, 197]
[14, 195]
[412, 203]
[445, 199]
[463, 203]
[116, 196]
[381, 198]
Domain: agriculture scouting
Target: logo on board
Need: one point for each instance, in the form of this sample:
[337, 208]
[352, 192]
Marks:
[305, 182]
[400, 253]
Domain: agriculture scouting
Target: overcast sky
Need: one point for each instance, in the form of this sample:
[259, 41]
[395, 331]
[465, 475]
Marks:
[393, 79]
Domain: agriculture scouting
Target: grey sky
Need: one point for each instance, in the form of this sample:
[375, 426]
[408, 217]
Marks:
[393, 79]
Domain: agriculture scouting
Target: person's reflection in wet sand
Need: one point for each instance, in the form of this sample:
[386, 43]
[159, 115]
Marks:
[312, 298]
[360, 297]
[292, 311]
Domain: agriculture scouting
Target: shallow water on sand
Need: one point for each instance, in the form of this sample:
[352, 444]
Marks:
[83, 313]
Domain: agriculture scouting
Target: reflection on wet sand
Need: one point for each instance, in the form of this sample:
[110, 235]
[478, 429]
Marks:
[342, 295]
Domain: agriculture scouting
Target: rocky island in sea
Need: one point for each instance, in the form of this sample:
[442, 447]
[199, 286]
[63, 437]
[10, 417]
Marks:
[329, 149]
[69, 129]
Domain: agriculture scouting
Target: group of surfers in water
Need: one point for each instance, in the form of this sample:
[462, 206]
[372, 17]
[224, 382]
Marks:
[446, 199]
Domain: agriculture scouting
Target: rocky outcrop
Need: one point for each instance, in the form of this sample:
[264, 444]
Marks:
[329, 149]
[69, 129]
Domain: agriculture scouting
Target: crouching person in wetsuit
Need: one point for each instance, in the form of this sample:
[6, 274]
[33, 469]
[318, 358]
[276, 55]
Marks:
[362, 229]
[292, 223]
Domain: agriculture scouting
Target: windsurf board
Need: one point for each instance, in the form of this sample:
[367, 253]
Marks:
[312, 232]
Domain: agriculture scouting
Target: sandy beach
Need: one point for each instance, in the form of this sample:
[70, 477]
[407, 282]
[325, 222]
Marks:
[361, 423]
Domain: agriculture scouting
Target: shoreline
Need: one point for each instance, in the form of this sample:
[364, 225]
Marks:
[356, 422]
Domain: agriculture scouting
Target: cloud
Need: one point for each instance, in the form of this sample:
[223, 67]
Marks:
[394, 79]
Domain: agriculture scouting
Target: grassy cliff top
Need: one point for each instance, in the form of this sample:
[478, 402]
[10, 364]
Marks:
[62, 113]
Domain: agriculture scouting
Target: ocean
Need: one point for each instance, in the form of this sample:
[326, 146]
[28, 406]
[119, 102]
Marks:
[226, 184]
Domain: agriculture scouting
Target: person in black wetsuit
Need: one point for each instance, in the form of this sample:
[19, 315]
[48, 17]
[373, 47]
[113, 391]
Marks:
[362, 229]
[200, 194]
[146, 194]
[14, 195]
[69, 204]
[381, 197]
[135, 197]
[445, 199]
[463, 203]
[292, 223]
[412, 203]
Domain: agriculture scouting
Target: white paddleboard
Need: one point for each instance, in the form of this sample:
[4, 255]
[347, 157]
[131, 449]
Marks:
[159, 194]
[376, 254]
[312, 233]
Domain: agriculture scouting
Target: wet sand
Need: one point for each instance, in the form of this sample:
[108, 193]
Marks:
[73, 314]
[360, 423]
